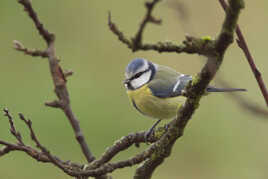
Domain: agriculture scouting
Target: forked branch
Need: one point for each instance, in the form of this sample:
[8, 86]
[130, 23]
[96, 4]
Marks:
[57, 74]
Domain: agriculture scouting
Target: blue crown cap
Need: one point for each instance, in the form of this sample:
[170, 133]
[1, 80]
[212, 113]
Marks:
[135, 64]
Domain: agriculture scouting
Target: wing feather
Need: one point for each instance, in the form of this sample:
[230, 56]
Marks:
[168, 83]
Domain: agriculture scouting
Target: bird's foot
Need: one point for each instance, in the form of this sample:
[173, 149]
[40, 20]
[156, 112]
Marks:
[150, 131]
[166, 126]
[147, 135]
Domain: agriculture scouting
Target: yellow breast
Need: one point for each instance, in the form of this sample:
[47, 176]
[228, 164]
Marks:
[158, 108]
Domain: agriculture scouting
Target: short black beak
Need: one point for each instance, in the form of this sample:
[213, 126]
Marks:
[126, 81]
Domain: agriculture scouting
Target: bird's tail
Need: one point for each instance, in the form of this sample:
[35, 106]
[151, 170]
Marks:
[214, 89]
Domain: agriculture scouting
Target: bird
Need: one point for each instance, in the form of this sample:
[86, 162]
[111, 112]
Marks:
[156, 90]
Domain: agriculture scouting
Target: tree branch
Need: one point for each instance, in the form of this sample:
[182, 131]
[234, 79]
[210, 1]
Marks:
[110, 167]
[163, 139]
[195, 90]
[32, 52]
[13, 131]
[137, 40]
[57, 76]
[121, 145]
[20, 146]
[47, 36]
[243, 45]
[97, 168]
[201, 46]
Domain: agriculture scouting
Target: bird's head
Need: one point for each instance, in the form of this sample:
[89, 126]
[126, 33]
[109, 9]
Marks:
[138, 73]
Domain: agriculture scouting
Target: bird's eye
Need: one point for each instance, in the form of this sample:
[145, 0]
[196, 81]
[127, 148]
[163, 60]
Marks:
[138, 74]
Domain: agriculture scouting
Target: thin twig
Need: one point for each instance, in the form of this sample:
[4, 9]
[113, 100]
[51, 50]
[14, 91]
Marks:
[32, 52]
[137, 40]
[40, 146]
[110, 167]
[47, 36]
[39, 156]
[121, 145]
[191, 45]
[13, 130]
[243, 45]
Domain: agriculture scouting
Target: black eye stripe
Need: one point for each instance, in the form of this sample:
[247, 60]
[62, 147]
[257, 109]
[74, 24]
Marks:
[139, 74]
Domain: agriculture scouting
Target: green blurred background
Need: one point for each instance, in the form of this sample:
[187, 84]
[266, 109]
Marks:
[221, 141]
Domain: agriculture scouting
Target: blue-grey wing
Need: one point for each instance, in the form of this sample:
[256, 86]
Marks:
[169, 87]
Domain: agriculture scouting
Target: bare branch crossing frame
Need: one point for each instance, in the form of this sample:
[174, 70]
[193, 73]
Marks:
[162, 139]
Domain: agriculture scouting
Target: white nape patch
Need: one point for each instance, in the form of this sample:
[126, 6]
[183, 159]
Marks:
[155, 66]
[142, 80]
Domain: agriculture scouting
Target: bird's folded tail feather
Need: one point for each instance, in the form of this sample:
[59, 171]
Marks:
[214, 89]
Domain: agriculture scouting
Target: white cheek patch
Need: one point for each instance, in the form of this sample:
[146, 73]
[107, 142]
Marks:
[142, 80]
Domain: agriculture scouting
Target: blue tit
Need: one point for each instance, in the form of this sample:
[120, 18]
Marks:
[156, 90]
